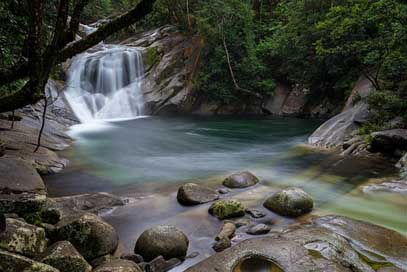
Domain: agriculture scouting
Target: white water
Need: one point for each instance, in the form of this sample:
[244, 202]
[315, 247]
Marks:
[106, 84]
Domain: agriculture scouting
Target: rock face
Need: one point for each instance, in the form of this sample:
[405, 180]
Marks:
[118, 266]
[224, 209]
[166, 241]
[23, 238]
[389, 141]
[322, 245]
[241, 180]
[90, 235]
[10, 262]
[402, 165]
[63, 256]
[290, 202]
[334, 132]
[193, 194]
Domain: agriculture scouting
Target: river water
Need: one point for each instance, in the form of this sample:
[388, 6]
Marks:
[147, 159]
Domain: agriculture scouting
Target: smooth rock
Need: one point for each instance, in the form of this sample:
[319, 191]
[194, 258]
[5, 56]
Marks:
[118, 266]
[63, 256]
[11, 262]
[389, 141]
[290, 202]
[224, 209]
[227, 231]
[222, 244]
[193, 194]
[159, 264]
[255, 213]
[241, 180]
[103, 259]
[258, 229]
[22, 238]
[90, 235]
[166, 241]
[223, 191]
[137, 258]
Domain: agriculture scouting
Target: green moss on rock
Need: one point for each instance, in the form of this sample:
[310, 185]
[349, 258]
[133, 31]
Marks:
[223, 209]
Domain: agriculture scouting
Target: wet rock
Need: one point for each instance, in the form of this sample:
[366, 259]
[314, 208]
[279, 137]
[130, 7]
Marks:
[222, 244]
[227, 231]
[90, 235]
[255, 213]
[63, 256]
[329, 243]
[2, 149]
[166, 241]
[118, 266]
[391, 186]
[223, 191]
[22, 238]
[2, 223]
[402, 165]
[258, 229]
[103, 259]
[290, 202]
[224, 209]
[159, 264]
[137, 258]
[389, 141]
[241, 180]
[11, 262]
[22, 203]
[192, 255]
[59, 207]
[193, 194]
[241, 222]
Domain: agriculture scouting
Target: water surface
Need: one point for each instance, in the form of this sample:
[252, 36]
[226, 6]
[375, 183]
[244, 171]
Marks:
[149, 158]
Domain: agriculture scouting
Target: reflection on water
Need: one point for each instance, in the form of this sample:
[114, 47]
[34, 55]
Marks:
[149, 158]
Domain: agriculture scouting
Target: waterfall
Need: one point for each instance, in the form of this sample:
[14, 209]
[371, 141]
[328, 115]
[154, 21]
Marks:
[106, 83]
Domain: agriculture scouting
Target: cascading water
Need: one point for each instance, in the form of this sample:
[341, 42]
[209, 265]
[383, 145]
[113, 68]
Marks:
[106, 84]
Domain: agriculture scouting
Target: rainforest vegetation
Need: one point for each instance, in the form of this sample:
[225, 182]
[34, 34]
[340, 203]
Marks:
[250, 45]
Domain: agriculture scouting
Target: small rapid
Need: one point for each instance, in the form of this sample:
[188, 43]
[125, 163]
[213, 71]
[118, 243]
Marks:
[106, 84]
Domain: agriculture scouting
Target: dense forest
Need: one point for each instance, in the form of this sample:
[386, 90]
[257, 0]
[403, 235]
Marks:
[321, 46]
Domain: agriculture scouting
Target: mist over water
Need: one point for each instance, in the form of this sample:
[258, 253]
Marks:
[106, 84]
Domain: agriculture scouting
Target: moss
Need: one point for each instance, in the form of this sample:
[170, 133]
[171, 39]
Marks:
[33, 218]
[151, 57]
[223, 209]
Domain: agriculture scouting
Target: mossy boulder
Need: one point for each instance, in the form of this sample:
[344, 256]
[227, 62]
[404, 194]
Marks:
[22, 203]
[90, 235]
[241, 180]
[22, 238]
[290, 202]
[224, 209]
[166, 241]
[65, 257]
[193, 194]
[11, 262]
[118, 266]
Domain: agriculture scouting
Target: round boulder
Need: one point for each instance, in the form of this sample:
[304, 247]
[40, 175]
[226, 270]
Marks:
[193, 194]
[224, 209]
[290, 202]
[90, 235]
[241, 180]
[166, 241]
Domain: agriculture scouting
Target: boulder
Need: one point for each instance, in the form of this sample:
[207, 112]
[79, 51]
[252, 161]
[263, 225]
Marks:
[241, 180]
[290, 202]
[90, 235]
[193, 194]
[224, 209]
[118, 266]
[331, 243]
[11, 262]
[166, 241]
[103, 259]
[22, 203]
[22, 238]
[222, 244]
[389, 141]
[63, 256]
[227, 231]
[258, 229]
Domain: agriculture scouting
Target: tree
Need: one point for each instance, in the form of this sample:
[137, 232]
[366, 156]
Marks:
[43, 53]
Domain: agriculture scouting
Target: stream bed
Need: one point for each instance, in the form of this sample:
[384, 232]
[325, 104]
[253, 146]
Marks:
[147, 159]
